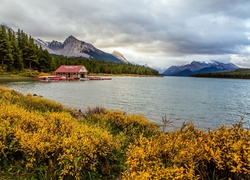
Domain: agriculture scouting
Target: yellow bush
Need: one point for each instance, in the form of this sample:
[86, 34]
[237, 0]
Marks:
[229, 150]
[191, 154]
[41, 138]
[54, 142]
[130, 124]
[168, 156]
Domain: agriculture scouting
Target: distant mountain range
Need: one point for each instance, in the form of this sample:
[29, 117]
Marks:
[196, 67]
[73, 47]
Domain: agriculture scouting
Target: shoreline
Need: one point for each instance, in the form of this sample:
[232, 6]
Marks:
[129, 75]
[12, 77]
[15, 77]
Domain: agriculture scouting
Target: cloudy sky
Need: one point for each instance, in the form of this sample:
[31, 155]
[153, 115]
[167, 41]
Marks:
[159, 33]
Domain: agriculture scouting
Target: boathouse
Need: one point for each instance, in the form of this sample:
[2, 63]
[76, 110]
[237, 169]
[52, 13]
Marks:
[72, 71]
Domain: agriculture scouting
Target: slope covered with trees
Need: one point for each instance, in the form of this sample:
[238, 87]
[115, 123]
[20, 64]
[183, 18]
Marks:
[95, 66]
[18, 52]
[237, 74]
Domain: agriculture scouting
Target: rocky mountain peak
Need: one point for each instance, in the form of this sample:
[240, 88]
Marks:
[55, 45]
[70, 39]
[72, 47]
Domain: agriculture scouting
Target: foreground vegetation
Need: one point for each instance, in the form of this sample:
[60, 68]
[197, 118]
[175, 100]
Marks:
[236, 74]
[41, 139]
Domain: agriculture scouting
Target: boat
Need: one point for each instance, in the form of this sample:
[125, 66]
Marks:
[107, 78]
[99, 78]
[59, 78]
[94, 78]
[53, 78]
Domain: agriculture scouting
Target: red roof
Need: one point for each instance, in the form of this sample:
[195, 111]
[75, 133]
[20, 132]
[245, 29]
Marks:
[69, 69]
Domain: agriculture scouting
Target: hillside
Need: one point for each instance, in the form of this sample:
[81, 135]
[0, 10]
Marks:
[236, 74]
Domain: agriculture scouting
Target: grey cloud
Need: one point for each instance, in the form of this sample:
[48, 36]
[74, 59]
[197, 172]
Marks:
[169, 28]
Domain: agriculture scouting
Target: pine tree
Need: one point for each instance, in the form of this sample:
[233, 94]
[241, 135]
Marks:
[16, 52]
[5, 49]
[44, 60]
[22, 41]
[29, 51]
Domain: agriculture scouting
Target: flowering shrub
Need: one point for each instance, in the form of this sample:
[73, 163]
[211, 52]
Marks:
[41, 139]
[52, 144]
[29, 102]
[191, 154]
[227, 151]
[130, 125]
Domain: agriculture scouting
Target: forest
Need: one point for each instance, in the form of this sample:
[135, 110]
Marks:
[18, 52]
[241, 73]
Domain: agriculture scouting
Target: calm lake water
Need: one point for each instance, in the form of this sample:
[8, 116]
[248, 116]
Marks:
[208, 103]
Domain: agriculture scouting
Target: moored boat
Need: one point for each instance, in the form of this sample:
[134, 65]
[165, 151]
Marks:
[99, 78]
[107, 78]
[59, 78]
[94, 78]
[53, 78]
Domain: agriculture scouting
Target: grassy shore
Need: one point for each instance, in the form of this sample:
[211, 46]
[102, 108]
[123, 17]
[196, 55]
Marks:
[42, 139]
[24, 75]
[15, 78]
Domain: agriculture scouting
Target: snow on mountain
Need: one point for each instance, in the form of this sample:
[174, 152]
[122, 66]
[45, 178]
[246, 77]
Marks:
[196, 67]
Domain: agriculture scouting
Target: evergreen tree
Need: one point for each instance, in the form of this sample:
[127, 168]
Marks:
[30, 52]
[5, 49]
[44, 60]
[53, 64]
[17, 55]
[22, 40]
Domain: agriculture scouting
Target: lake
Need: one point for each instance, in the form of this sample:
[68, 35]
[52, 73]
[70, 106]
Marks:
[208, 103]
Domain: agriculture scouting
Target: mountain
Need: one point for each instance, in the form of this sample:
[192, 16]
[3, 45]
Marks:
[73, 47]
[196, 67]
[44, 45]
[6, 27]
[120, 56]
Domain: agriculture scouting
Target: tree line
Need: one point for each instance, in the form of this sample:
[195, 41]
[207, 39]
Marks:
[236, 74]
[95, 66]
[19, 52]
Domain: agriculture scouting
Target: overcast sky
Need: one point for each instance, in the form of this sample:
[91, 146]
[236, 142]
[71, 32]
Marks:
[159, 33]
